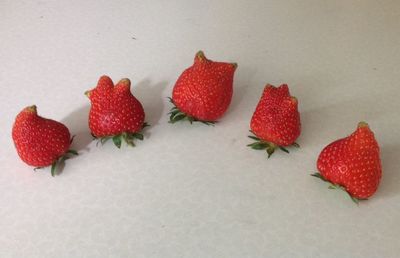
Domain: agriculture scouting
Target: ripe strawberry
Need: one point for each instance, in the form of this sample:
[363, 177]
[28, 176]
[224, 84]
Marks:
[41, 142]
[352, 164]
[203, 92]
[276, 120]
[115, 113]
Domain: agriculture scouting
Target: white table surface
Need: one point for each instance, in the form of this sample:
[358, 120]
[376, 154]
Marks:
[193, 190]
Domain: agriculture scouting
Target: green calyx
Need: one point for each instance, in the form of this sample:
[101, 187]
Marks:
[126, 137]
[60, 162]
[339, 187]
[268, 146]
[176, 115]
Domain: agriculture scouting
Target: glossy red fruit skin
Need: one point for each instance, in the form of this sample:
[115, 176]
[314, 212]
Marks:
[39, 141]
[204, 90]
[276, 118]
[353, 162]
[114, 109]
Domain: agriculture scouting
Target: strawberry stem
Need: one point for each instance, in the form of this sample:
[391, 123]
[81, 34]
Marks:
[337, 186]
[177, 115]
[58, 163]
[268, 146]
[126, 137]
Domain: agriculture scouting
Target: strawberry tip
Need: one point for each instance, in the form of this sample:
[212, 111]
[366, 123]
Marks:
[362, 124]
[200, 54]
[32, 109]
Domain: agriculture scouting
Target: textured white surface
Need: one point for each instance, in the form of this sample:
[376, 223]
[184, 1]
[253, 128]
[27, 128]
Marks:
[192, 190]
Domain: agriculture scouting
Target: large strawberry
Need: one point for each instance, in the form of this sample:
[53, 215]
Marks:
[115, 113]
[352, 164]
[203, 91]
[41, 142]
[276, 120]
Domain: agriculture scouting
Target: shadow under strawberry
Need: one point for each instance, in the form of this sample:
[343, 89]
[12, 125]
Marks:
[77, 122]
[150, 95]
[390, 166]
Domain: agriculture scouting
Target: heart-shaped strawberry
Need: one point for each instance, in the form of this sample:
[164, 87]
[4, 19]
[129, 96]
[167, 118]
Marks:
[115, 113]
[41, 142]
[352, 164]
[203, 91]
[276, 120]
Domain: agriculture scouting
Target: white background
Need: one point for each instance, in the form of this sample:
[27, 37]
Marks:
[196, 190]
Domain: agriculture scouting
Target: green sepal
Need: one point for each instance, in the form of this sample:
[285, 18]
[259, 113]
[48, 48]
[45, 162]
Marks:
[258, 145]
[126, 137]
[53, 168]
[72, 139]
[176, 115]
[73, 152]
[145, 124]
[58, 162]
[270, 151]
[268, 146]
[337, 186]
[253, 137]
[117, 140]
[138, 136]
[283, 149]
[295, 144]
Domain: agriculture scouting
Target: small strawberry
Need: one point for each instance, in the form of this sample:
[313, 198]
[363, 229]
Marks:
[203, 92]
[276, 120]
[41, 142]
[352, 164]
[115, 113]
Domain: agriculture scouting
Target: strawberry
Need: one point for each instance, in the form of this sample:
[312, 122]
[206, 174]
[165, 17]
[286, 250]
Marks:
[41, 142]
[276, 120]
[115, 113]
[352, 164]
[203, 91]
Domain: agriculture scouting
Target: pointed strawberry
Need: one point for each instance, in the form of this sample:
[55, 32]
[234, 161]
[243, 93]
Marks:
[352, 164]
[115, 113]
[41, 142]
[203, 91]
[276, 120]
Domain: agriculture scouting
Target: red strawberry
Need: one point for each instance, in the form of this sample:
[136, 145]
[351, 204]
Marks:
[203, 92]
[41, 142]
[352, 163]
[276, 120]
[115, 113]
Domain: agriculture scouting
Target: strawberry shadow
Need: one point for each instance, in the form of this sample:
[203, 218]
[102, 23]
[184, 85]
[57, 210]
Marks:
[389, 185]
[151, 96]
[77, 123]
[241, 86]
[321, 125]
